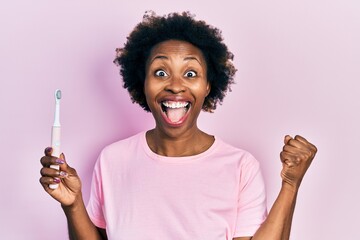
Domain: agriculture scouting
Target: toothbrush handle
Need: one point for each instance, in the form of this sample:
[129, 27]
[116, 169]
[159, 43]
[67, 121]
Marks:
[55, 144]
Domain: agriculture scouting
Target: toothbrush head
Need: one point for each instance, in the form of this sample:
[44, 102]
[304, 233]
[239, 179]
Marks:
[57, 108]
[57, 94]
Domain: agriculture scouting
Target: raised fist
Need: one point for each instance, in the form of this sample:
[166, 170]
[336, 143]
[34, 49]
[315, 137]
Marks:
[296, 157]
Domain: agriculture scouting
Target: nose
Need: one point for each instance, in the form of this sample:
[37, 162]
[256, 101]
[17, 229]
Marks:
[175, 85]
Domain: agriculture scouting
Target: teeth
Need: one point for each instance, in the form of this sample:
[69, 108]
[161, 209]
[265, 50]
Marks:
[171, 104]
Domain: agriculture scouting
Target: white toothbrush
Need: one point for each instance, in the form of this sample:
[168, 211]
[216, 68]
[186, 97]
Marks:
[56, 134]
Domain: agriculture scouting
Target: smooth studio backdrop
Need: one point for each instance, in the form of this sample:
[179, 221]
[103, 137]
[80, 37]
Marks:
[298, 73]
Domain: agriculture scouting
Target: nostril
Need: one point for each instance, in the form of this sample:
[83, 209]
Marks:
[175, 90]
[175, 86]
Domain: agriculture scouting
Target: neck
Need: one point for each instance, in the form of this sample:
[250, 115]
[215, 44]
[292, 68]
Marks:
[192, 143]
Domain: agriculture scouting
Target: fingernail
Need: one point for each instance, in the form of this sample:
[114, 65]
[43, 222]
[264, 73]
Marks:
[63, 174]
[57, 180]
[48, 149]
[59, 161]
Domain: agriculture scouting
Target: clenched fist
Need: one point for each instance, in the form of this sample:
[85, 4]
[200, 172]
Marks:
[296, 157]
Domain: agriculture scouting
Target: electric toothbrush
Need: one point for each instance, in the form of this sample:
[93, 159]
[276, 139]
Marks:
[56, 134]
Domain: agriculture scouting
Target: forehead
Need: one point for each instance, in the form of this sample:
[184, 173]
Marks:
[176, 48]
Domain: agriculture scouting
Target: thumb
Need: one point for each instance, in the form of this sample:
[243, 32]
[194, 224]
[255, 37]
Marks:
[62, 156]
[287, 138]
[64, 166]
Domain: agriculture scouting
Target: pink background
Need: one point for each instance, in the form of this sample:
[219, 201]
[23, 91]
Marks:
[298, 73]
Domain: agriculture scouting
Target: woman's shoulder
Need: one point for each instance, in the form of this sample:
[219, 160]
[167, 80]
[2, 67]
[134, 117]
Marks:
[230, 149]
[124, 145]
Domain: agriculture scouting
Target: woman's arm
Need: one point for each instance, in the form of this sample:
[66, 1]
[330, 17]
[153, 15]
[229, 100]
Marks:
[79, 224]
[296, 158]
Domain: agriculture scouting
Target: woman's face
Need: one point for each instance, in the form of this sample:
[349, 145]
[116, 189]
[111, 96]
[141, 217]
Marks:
[176, 85]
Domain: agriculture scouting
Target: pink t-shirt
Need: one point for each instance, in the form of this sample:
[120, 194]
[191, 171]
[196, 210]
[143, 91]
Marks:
[137, 194]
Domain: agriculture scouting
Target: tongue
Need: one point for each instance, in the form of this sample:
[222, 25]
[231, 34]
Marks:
[175, 114]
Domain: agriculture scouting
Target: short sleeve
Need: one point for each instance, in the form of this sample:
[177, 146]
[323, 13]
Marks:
[96, 204]
[251, 211]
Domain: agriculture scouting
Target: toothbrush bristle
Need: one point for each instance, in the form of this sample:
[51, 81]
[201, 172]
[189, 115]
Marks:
[58, 94]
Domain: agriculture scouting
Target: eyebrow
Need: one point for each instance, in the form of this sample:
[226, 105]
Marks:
[185, 59]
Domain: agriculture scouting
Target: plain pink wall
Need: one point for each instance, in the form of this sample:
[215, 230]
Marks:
[298, 73]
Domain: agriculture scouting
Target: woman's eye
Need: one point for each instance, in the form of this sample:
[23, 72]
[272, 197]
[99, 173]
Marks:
[190, 74]
[161, 73]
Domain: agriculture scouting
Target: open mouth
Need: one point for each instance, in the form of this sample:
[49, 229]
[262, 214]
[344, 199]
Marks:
[175, 111]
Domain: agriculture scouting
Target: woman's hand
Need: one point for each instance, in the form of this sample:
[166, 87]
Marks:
[69, 188]
[296, 157]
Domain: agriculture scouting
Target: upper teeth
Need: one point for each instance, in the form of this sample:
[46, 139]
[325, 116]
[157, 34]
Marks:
[171, 104]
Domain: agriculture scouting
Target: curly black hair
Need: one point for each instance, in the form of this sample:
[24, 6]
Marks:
[154, 29]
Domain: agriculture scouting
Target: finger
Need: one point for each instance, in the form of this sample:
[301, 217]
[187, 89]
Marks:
[289, 158]
[50, 172]
[48, 151]
[295, 150]
[46, 161]
[301, 139]
[64, 166]
[49, 180]
[297, 144]
[289, 164]
[306, 142]
[287, 138]
[46, 181]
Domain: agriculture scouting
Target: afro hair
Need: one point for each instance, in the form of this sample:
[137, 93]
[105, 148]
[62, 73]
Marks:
[154, 29]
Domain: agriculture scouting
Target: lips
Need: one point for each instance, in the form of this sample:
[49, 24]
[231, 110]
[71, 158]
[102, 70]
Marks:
[175, 112]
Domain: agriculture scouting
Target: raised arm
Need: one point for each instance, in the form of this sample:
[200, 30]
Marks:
[69, 195]
[296, 158]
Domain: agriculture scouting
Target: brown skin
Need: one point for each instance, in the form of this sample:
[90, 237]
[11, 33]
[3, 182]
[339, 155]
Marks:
[296, 158]
[176, 70]
[183, 67]
[69, 195]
